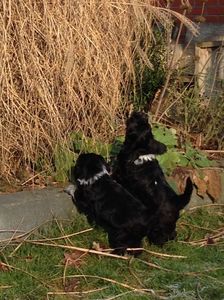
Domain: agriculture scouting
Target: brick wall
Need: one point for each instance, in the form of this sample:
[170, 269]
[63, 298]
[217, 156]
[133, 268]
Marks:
[213, 10]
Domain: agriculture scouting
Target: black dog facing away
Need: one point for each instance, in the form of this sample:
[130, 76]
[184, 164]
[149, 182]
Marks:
[107, 204]
[138, 171]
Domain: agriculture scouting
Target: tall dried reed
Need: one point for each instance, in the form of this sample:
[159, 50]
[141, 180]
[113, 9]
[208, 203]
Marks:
[65, 66]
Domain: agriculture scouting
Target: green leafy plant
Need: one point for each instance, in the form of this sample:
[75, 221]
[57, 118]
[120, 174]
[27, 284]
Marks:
[149, 78]
[195, 158]
[202, 115]
[165, 135]
[116, 146]
[64, 157]
[192, 157]
[63, 161]
[171, 158]
[80, 143]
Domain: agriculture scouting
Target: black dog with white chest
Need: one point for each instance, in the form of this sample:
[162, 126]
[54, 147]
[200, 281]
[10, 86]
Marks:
[138, 170]
[107, 204]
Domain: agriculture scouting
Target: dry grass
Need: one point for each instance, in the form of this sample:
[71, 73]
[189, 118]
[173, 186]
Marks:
[65, 66]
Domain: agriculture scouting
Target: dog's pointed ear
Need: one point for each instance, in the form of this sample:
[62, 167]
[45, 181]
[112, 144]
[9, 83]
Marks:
[157, 147]
[105, 164]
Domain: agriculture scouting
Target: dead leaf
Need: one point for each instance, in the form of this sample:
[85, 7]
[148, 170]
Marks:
[75, 259]
[180, 175]
[3, 267]
[214, 188]
[200, 184]
[210, 241]
[207, 181]
[71, 285]
[96, 246]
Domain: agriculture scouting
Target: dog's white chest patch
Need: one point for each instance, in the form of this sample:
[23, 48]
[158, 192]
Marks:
[144, 158]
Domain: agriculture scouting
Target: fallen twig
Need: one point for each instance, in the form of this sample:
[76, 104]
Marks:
[5, 287]
[11, 230]
[79, 249]
[202, 206]
[124, 285]
[154, 265]
[18, 237]
[158, 254]
[63, 236]
[196, 226]
[164, 255]
[20, 244]
[210, 240]
[32, 177]
[8, 241]
[74, 293]
[25, 272]
[119, 295]
[214, 151]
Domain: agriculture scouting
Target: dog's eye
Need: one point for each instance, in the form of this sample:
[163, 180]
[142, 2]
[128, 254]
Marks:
[155, 182]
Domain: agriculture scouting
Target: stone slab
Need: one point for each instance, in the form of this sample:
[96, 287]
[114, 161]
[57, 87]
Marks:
[23, 211]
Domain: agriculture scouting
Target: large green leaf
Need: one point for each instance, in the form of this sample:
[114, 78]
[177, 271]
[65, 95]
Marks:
[169, 160]
[165, 136]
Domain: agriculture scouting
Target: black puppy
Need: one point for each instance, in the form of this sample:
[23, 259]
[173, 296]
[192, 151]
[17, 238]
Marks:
[107, 204]
[140, 173]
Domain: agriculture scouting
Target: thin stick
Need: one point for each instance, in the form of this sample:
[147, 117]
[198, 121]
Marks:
[13, 238]
[34, 176]
[61, 228]
[199, 227]
[156, 253]
[210, 277]
[214, 151]
[206, 205]
[75, 293]
[80, 249]
[17, 248]
[11, 230]
[154, 265]
[170, 70]
[5, 286]
[66, 265]
[63, 236]
[145, 250]
[174, 102]
[64, 272]
[119, 295]
[124, 285]
[204, 242]
[214, 237]
[164, 255]
[133, 273]
[25, 272]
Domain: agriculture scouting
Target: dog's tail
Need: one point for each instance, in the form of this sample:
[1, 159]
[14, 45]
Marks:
[183, 199]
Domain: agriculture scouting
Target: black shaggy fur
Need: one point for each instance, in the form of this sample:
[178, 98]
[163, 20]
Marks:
[147, 181]
[107, 204]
